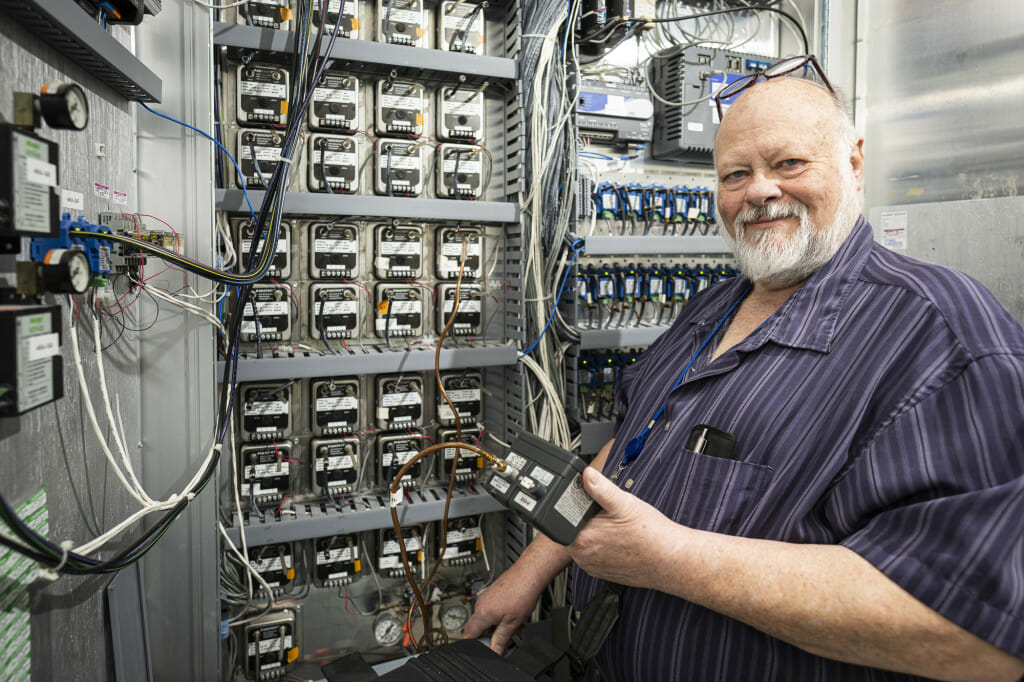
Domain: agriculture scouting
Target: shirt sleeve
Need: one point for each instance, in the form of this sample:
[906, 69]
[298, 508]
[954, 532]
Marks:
[935, 500]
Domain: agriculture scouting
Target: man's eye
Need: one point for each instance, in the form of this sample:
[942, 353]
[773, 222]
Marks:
[791, 162]
[735, 175]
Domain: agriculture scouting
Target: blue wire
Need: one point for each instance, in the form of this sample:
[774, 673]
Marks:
[577, 250]
[596, 155]
[252, 211]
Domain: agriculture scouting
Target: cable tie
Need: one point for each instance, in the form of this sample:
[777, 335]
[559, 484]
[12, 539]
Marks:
[52, 574]
[190, 497]
[285, 159]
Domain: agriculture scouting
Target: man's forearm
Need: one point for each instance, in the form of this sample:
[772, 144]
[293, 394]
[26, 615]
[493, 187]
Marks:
[829, 601]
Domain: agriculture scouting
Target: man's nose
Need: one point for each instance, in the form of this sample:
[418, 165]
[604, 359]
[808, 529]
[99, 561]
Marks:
[761, 189]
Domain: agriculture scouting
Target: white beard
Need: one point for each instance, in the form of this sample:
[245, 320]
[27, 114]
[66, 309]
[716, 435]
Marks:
[770, 257]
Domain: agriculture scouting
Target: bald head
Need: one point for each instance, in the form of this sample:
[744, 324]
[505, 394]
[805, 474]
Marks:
[805, 103]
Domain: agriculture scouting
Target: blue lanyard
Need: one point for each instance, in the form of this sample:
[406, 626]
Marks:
[636, 446]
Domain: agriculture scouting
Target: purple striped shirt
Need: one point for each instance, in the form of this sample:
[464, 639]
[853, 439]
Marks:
[880, 408]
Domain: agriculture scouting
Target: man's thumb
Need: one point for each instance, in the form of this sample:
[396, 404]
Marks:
[603, 491]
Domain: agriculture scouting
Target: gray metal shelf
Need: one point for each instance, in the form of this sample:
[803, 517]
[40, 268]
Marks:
[653, 245]
[377, 207]
[67, 28]
[617, 338]
[594, 435]
[362, 513]
[372, 362]
[365, 56]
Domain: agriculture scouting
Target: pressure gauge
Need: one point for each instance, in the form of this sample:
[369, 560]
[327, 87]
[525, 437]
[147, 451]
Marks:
[63, 105]
[387, 629]
[65, 271]
[454, 614]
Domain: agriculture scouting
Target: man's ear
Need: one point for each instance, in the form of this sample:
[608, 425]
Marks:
[857, 162]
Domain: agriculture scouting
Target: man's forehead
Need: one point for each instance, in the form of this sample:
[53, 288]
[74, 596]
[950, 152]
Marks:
[782, 108]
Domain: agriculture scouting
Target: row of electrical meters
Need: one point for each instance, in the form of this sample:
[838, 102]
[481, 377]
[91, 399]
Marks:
[332, 455]
[273, 642]
[459, 24]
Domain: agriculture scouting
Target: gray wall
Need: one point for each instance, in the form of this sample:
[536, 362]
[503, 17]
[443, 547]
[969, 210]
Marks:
[944, 95]
[53, 446]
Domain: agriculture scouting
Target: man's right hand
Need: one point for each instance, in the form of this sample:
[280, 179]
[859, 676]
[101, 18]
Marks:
[503, 607]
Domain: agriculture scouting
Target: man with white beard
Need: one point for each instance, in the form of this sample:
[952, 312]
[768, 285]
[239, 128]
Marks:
[865, 524]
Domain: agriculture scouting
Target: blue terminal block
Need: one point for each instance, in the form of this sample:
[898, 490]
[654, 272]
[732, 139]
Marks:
[98, 250]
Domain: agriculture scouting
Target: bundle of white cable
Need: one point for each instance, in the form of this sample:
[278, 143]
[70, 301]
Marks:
[126, 477]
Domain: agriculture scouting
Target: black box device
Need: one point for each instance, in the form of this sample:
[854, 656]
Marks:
[544, 484]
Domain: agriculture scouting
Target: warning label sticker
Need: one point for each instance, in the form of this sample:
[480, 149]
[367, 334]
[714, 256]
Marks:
[574, 502]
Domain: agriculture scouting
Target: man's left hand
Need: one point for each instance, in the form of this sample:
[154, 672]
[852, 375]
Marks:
[629, 542]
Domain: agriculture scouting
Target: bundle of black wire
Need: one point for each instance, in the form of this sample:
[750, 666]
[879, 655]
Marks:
[307, 66]
[602, 33]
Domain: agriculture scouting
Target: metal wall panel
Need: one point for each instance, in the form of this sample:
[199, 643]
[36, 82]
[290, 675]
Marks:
[53, 446]
[982, 237]
[944, 98]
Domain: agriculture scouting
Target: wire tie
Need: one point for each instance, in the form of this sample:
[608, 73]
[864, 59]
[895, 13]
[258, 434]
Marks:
[285, 159]
[52, 574]
[190, 496]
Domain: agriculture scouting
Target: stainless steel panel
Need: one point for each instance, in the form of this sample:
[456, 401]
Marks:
[945, 97]
[982, 237]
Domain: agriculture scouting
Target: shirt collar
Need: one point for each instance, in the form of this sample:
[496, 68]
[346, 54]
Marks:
[808, 319]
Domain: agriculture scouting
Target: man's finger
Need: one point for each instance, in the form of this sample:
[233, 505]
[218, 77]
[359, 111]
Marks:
[502, 634]
[604, 492]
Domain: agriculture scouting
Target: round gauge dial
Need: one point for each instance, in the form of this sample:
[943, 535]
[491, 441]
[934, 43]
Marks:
[63, 106]
[387, 629]
[66, 271]
[454, 615]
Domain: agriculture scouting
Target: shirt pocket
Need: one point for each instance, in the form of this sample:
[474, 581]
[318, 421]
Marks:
[712, 493]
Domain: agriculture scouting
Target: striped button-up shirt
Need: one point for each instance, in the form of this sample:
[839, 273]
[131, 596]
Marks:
[880, 408]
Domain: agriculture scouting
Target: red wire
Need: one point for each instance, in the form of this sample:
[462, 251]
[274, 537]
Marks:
[433, 290]
[345, 346]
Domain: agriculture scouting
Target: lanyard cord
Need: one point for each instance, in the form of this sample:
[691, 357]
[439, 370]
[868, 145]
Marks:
[636, 446]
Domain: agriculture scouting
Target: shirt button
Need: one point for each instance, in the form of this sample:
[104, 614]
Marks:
[668, 425]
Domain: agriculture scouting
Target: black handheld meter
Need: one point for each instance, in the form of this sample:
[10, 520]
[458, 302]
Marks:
[544, 484]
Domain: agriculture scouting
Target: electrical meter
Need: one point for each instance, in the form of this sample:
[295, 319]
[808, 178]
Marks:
[399, 168]
[333, 164]
[461, 28]
[280, 265]
[266, 314]
[449, 252]
[335, 404]
[399, 312]
[333, 250]
[335, 102]
[401, 107]
[274, 563]
[460, 114]
[335, 465]
[399, 402]
[265, 411]
[469, 318]
[265, 14]
[333, 311]
[463, 389]
[389, 557]
[470, 463]
[349, 26]
[271, 645]
[258, 153]
[393, 452]
[462, 537]
[399, 252]
[265, 473]
[401, 22]
[459, 171]
[262, 94]
[336, 561]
